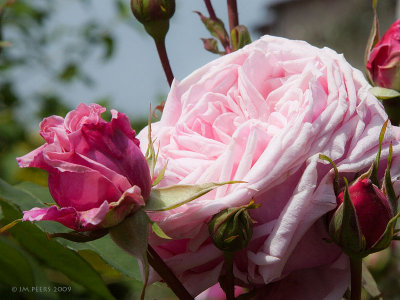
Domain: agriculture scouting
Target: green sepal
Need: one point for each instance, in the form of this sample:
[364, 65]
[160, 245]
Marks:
[173, 196]
[132, 235]
[386, 237]
[79, 237]
[211, 45]
[158, 231]
[10, 225]
[387, 186]
[160, 175]
[344, 227]
[384, 93]
[216, 27]
[373, 37]
[369, 283]
[157, 29]
[151, 156]
[240, 37]
[374, 174]
[336, 179]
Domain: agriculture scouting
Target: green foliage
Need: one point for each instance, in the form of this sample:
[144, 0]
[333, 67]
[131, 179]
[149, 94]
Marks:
[49, 251]
[83, 263]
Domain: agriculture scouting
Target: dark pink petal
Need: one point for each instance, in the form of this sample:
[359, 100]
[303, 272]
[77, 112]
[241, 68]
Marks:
[82, 189]
[114, 145]
[33, 159]
[76, 162]
[67, 216]
[83, 114]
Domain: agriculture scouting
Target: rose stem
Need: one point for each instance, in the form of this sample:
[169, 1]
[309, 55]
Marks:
[162, 53]
[229, 279]
[167, 275]
[356, 276]
[210, 9]
[232, 14]
[213, 16]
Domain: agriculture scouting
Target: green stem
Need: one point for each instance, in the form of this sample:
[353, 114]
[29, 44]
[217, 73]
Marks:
[356, 277]
[229, 278]
[167, 275]
[162, 53]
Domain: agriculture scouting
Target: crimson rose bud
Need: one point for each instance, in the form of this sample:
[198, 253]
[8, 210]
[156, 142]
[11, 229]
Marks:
[97, 173]
[384, 60]
[372, 209]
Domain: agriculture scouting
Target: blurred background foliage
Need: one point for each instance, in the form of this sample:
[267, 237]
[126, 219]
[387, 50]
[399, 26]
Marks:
[96, 270]
[25, 257]
[27, 44]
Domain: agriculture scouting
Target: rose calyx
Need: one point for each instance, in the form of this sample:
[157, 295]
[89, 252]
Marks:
[364, 221]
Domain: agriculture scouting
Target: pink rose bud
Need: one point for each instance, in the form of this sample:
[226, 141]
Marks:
[384, 60]
[97, 173]
[154, 15]
[372, 209]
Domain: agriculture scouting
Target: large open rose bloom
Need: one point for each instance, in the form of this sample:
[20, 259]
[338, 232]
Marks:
[97, 173]
[263, 115]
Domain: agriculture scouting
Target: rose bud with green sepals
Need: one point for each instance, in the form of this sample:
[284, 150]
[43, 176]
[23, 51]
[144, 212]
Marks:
[372, 209]
[231, 229]
[154, 15]
[384, 60]
[364, 220]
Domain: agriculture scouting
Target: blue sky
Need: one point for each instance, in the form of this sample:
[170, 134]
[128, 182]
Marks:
[134, 77]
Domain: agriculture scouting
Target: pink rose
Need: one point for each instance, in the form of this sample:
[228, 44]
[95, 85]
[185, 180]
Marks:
[384, 60]
[263, 114]
[97, 173]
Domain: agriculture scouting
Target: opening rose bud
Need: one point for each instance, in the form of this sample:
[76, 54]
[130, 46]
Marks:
[384, 60]
[97, 173]
[372, 209]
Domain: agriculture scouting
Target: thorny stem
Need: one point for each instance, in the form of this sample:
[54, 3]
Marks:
[232, 14]
[356, 276]
[167, 275]
[162, 53]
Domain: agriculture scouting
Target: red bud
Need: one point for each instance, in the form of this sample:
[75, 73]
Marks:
[372, 209]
